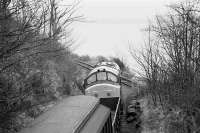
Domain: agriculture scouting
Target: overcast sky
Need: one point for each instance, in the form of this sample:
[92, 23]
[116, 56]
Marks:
[115, 25]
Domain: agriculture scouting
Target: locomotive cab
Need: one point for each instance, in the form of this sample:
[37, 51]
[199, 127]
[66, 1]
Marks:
[104, 83]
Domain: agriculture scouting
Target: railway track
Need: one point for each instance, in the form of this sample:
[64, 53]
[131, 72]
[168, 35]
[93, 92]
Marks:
[128, 127]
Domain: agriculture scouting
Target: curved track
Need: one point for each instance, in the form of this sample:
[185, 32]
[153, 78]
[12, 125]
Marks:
[127, 127]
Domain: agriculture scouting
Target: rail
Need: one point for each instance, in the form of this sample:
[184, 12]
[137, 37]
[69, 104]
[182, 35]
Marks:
[116, 119]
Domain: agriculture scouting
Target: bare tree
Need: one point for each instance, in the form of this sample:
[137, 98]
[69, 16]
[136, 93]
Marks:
[171, 60]
[30, 30]
[27, 26]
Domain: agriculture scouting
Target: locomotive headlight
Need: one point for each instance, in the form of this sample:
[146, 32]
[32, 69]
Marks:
[96, 95]
[108, 94]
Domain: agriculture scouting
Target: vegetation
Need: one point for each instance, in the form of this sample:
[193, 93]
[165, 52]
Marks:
[35, 67]
[171, 67]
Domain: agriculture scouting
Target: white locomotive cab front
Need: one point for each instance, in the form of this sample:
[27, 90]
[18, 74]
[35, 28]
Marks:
[103, 90]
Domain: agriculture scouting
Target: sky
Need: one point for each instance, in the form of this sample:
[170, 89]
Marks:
[113, 26]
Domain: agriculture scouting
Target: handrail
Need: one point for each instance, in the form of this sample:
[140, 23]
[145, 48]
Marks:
[116, 112]
[115, 121]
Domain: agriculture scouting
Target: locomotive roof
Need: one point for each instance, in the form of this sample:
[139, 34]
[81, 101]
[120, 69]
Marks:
[107, 66]
[66, 116]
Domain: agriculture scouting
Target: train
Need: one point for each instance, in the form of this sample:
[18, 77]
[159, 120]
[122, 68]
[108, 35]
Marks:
[104, 81]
